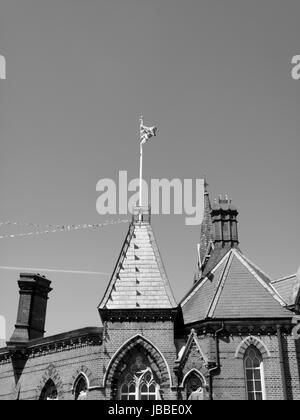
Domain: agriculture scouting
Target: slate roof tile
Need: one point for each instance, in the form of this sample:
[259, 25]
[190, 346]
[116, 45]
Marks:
[234, 288]
[288, 288]
[139, 278]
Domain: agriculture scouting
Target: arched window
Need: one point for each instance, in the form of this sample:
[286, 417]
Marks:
[148, 386]
[254, 374]
[139, 386]
[49, 392]
[80, 388]
[192, 384]
[138, 381]
[128, 389]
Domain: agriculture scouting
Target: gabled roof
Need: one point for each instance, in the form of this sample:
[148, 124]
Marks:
[192, 339]
[288, 288]
[139, 279]
[234, 288]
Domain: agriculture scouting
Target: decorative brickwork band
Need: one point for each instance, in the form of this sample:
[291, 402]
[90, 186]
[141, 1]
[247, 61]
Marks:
[255, 341]
[50, 373]
[86, 373]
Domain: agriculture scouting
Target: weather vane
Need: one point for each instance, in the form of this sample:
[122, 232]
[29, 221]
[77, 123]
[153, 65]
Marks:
[145, 134]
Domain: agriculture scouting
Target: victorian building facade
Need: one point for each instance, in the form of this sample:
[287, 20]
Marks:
[230, 337]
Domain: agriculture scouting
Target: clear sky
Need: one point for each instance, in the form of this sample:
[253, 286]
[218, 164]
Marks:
[214, 75]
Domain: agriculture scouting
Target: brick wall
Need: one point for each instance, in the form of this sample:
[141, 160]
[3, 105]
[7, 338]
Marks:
[160, 334]
[64, 367]
[228, 383]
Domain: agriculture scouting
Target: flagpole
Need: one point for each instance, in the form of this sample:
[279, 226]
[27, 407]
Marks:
[141, 172]
[141, 163]
[145, 134]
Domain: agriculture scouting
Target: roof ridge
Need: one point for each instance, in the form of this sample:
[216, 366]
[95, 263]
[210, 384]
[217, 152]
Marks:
[199, 284]
[221, 283]
[267, 286]
[255, 266]
[284, 278]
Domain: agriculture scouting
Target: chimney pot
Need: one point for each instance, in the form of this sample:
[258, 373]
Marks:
[33, 290]
[224, 221]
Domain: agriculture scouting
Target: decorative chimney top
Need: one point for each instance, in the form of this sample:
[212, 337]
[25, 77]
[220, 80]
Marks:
[33, 290]
[224, 214]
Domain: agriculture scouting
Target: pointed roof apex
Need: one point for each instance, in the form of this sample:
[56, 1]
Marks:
[139, 280]
[206, 185]
[206, 230]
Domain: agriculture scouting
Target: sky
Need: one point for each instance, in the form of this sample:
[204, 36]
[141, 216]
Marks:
[215, 76]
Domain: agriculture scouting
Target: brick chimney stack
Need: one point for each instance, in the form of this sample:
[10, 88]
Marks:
[33, 290]
[224, 220]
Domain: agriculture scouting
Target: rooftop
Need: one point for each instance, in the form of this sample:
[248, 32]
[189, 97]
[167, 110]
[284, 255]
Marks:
[233, 289]
[139, 279]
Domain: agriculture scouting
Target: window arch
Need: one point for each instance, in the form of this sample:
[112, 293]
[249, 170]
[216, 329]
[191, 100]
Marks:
[128, 389]
[193, 384]
[148, 386]
[131, 346]
[139, 386]
[136, 378]
[254, 374]
[80, 388]
[49, 392]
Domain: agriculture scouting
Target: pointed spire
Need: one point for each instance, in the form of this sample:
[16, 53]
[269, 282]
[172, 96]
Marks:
[206, 231]
[139, 279]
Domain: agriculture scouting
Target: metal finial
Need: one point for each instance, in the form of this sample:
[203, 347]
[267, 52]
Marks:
[206, 184]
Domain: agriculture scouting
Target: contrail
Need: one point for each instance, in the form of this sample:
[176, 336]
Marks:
[51, 270]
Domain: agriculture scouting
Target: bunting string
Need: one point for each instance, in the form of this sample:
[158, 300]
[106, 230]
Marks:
[56, 228]
[8, 223]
